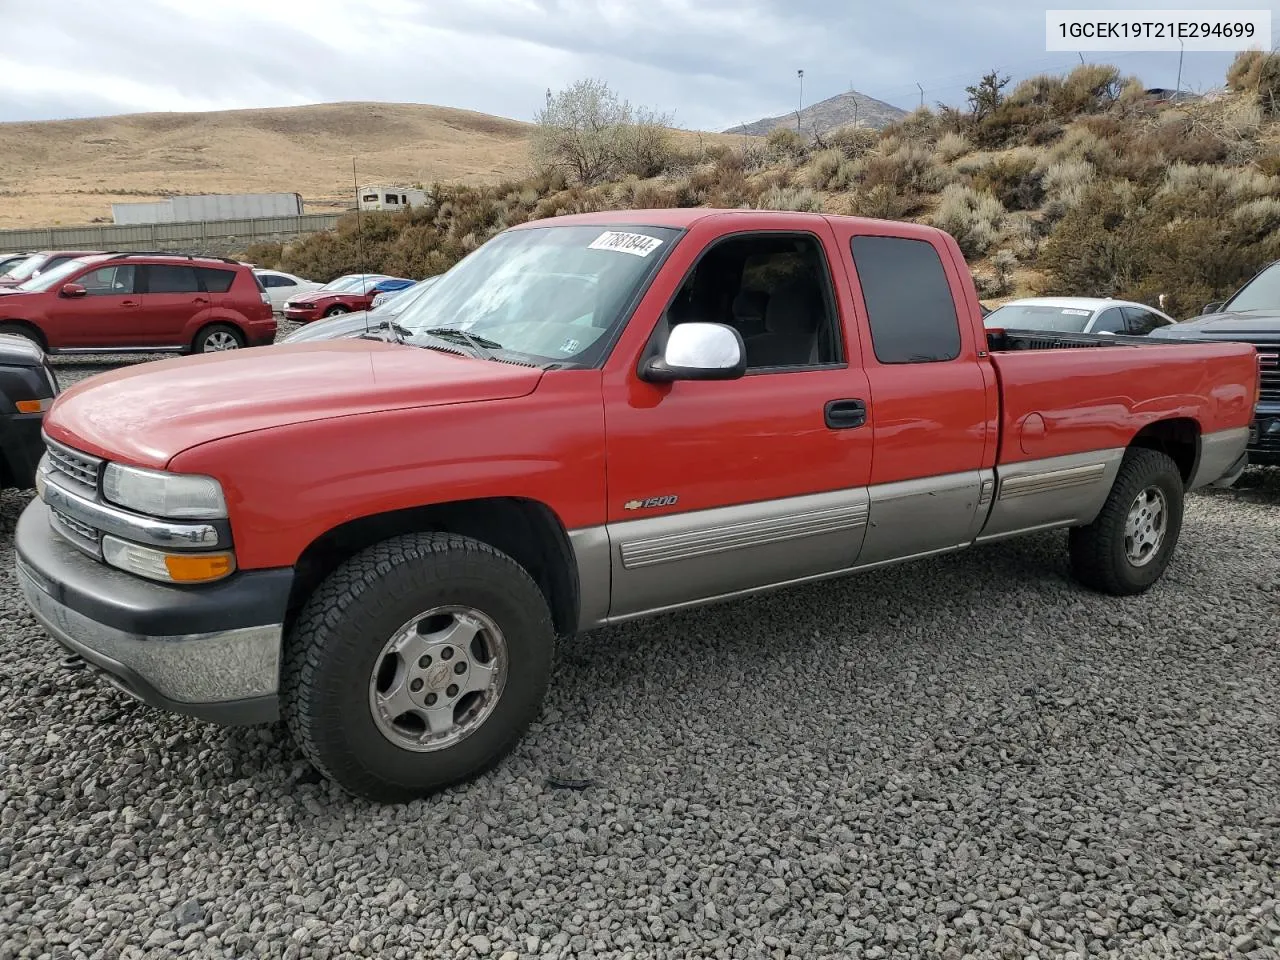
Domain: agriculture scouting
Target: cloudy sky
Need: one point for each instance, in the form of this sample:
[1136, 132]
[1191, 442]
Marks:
[713, 63]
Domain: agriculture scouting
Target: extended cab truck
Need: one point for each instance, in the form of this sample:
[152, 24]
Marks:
[380, 538]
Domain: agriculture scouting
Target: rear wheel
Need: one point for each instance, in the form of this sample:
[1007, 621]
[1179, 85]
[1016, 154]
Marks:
[336, 310]
[218, 337]
[417, 664]
[1127, 548]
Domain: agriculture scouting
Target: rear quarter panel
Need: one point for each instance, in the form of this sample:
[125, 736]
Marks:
[1072, 400]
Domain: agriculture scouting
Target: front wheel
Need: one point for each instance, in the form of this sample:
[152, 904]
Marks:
[218, 337]
[1128, 546]
[417, 664]
[336, 310]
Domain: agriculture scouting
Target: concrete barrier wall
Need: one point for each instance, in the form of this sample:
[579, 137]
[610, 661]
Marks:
[199, 236]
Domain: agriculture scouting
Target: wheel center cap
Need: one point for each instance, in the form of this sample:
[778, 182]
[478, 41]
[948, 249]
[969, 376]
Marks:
[437, 677]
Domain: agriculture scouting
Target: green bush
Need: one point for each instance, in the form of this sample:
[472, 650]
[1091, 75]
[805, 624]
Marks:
[783, 143]
[1015, 180]
[790, 198]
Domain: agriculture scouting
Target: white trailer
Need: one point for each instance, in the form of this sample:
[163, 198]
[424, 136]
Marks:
[377, 196]
[209, 207]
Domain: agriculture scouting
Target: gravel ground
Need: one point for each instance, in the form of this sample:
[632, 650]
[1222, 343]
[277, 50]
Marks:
[966, 757]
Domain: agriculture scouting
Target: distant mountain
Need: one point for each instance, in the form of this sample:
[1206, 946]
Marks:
[837, 111]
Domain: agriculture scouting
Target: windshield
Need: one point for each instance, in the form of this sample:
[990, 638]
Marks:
[342, 284]
[24, 271]
[1039, 317]
[52, 278]
[1260, 293]
[8, 268]
[548, 294]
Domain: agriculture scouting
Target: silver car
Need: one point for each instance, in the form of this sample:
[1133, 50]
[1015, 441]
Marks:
[1078, 315]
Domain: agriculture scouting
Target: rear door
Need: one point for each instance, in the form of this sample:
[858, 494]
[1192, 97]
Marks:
[109, 306]
[171, 298]
[934, 398]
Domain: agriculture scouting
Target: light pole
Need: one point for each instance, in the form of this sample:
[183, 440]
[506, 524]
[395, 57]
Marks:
[800, 74]
[1177, 92]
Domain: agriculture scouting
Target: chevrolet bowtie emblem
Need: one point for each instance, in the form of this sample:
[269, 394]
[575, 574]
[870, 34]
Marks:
[633, 505]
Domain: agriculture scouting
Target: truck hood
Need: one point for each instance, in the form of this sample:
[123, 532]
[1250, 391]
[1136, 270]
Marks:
[149, 413]
[1254, 326]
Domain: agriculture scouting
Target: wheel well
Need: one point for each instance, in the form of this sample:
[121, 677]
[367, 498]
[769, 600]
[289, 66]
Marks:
[34, 330]
[1179, 438]
[527, 531]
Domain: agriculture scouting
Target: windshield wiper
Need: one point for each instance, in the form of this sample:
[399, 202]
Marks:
[481, 345]
[397, 331]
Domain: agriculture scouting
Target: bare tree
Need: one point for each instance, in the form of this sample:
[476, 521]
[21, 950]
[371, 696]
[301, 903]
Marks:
[593, 135]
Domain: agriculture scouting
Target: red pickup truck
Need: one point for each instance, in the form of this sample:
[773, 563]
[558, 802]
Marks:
[590, 419]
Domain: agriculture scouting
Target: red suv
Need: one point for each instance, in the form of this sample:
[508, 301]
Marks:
[141, 303]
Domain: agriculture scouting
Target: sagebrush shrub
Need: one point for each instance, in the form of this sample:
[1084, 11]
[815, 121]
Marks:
[973, 218]
[952, 146]
[789, 198]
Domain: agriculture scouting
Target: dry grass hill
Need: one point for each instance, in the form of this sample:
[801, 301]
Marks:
[70, 171]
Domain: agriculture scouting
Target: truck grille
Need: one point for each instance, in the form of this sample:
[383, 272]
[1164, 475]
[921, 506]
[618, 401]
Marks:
[76, 527]
[1269, 364]
[80, 467]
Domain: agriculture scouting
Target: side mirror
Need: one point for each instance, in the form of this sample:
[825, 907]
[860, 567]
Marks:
[1211, 307]
[699, 351]
[72, 290]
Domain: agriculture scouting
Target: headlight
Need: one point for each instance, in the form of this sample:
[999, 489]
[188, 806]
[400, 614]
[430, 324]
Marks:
[171, 495]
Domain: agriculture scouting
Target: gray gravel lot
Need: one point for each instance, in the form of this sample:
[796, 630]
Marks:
[966, 757]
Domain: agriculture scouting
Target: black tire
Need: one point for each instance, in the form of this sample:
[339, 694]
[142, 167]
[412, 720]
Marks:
[337, 638]
[1099, 557]
[336, 310]
[211, 334]
[20, 330]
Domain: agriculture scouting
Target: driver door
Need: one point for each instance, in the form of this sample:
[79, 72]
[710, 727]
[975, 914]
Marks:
[110, 304]
[722, 487]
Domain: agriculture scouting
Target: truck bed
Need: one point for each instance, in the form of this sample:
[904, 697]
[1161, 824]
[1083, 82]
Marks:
[1057, 398]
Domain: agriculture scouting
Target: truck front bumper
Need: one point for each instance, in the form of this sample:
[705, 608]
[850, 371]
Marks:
[1264, 436]
[211, 652]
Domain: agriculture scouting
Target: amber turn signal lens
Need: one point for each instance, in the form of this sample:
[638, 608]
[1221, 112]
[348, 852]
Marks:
[32, 406]
[198, 568]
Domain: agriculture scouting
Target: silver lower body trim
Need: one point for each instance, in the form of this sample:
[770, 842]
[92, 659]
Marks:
[197, 669]
[1219, 452]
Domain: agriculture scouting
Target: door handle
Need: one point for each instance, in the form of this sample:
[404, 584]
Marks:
[843, 414]
[200, 300]
[128, 303]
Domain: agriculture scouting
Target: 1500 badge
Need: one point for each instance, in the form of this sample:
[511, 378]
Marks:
[650, 503]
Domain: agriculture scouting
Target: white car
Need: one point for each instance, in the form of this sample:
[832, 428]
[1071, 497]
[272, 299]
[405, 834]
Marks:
[1078, 315]
[281, 286]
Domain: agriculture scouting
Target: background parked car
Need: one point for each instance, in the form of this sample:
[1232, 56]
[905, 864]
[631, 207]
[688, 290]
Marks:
[282, 286]
[140, 303]
[39, 263]
[354, 324]
[27, 388]
[11, 261]
[344, 295]
[1251, 315]
[1078, 315]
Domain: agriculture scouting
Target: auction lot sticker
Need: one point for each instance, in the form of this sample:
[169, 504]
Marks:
[633, 243]
[1159, 30]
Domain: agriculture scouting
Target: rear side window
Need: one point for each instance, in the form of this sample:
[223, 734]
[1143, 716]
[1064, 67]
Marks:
[162, 278]
[216, 281]
[910, 307]
[1142, 322]
[1111, 320]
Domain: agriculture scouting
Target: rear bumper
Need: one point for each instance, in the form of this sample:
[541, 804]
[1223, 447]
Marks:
[209, 652]
[21, 446]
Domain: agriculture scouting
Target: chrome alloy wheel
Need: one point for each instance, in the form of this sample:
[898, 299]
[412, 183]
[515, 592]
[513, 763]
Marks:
[1145, 526]
[438, 679]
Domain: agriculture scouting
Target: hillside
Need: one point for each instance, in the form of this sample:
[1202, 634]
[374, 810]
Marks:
[827, 115]
[1078, 184]
[70, 171]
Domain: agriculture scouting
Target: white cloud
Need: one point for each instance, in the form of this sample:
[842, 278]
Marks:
[713, 63]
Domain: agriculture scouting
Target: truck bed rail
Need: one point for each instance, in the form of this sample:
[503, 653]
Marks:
[1000, 340]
